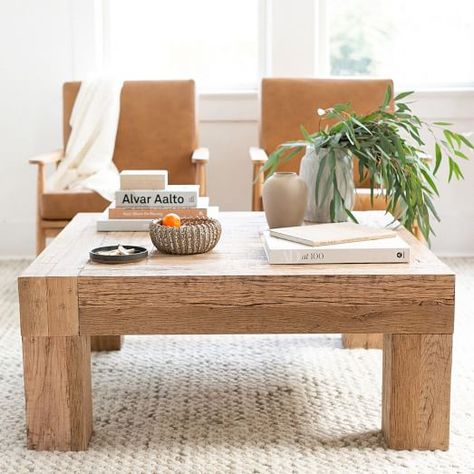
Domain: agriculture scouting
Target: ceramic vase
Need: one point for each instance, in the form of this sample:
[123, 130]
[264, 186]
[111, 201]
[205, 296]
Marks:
[320, 211]
[284, 200]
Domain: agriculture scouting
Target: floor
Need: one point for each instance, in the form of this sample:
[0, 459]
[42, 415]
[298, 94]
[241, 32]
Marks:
[236, 404]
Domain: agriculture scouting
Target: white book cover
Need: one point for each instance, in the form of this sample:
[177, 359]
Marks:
[202, 201]
[104, 224]
[316, 235]
[172, 196]
[389, 250]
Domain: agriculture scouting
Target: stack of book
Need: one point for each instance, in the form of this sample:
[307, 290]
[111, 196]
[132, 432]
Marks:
[145, 195]
[343, 242]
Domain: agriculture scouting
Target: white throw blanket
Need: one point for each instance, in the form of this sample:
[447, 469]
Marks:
[88, 157]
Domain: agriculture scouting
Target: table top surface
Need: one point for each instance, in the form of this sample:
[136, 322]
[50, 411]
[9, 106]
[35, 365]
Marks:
[239, 252]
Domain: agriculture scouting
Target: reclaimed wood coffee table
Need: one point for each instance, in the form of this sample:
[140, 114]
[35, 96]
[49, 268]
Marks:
[65, 299]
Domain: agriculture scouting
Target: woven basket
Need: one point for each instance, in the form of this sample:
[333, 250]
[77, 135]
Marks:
[196, 235]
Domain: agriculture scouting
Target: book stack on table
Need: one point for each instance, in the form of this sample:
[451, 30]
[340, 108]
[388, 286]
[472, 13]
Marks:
[343, 242]
[145, 195]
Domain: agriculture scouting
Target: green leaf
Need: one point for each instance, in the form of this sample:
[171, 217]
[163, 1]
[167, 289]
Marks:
[460, 154]
[466, 142]
[351, 216]
[449, 138]
[438, 157]
[429, 203]
[451, 169]
[388, 97]
[402, 95]
[305, 133]
[443, 124]
[332, 210]
[430, 181]
[319, 184]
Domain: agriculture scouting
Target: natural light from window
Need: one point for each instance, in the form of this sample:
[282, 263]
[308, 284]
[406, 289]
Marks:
[211, 41]
[418, 43]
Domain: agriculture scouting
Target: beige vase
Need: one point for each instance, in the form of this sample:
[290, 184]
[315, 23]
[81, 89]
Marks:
[284, 200]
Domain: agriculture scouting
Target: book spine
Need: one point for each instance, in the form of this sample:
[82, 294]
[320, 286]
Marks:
[156, 199]
[328, 256]
[138, 213]
[117, 225]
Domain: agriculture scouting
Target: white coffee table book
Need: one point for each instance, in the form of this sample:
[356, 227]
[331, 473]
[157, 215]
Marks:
[370, 241]
[316, 235]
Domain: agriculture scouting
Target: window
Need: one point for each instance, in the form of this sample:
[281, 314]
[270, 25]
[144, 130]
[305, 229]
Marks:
[215, 42]
[417, 43]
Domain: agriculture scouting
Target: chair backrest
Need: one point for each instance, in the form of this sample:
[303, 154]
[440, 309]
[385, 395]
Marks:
[157, 126]
[286, 104]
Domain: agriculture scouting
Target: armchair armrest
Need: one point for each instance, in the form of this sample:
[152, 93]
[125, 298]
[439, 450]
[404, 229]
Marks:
[258, 156]
[200, 155]
[200, 158]
[47, 158]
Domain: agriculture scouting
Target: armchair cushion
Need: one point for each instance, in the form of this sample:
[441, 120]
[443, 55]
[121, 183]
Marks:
[64, 205]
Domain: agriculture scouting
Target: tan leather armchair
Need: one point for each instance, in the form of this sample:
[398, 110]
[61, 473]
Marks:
[156, 130]
[286, 104]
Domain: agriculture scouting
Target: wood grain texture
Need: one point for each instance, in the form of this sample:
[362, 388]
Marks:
[48, 306]
[69, 252]
[58, 392]
[106, 343]
[281, 304]
[362, 341]
[416, 390]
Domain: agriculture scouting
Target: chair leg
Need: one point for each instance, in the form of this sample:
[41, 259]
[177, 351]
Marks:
[257, 188]
[40, 238]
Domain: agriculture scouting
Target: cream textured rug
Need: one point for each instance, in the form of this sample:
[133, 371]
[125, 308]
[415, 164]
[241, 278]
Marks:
[233, 404]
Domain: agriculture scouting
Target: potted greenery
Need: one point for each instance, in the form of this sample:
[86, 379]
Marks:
[388, 147]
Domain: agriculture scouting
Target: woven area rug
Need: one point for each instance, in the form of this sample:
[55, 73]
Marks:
[236, 404]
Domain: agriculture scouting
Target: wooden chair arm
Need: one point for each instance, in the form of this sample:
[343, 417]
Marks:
[258, 155]
[47, 158]
[200, 158]
[41, 161]
[200, 155]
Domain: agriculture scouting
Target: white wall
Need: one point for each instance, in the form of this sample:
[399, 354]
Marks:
[43, 44]
[35, 57]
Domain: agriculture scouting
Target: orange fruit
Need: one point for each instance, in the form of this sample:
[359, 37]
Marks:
[171, 220]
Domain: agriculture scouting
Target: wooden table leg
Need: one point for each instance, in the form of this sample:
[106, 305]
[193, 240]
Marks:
[106, 343]
[57, 376]
[416, 390]
[362, 341]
